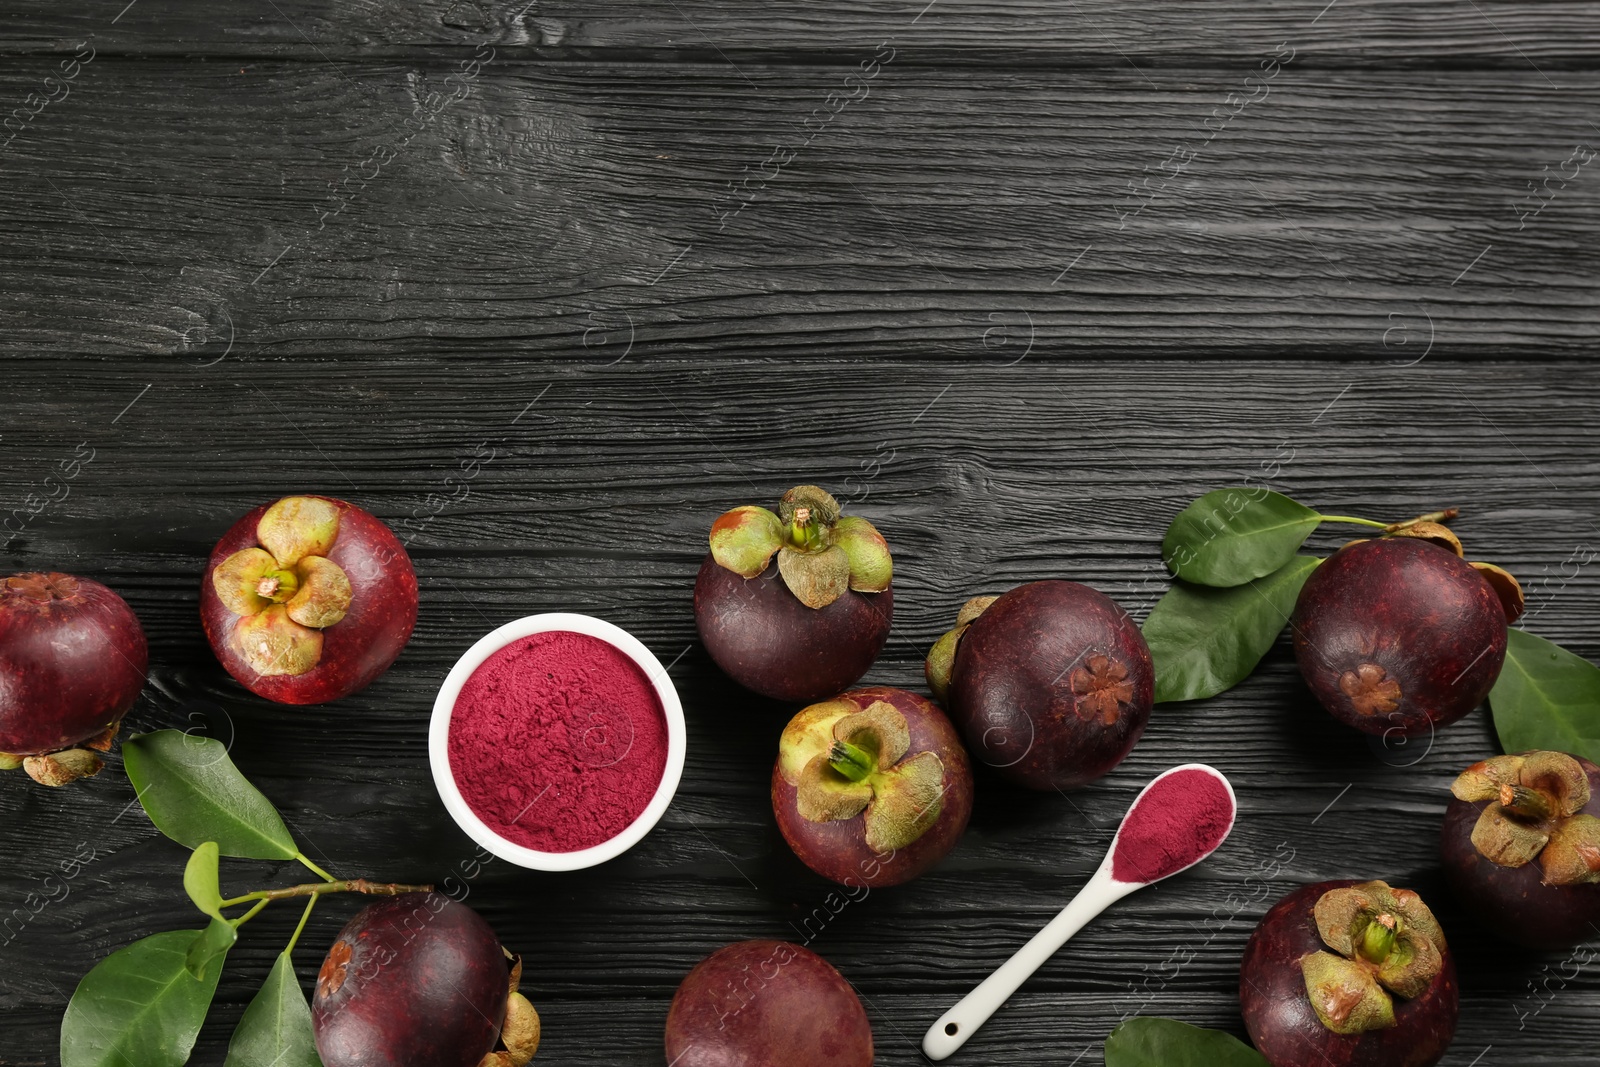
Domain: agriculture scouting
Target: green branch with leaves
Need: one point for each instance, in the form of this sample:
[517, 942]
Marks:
[1238, 570]
[145, 1003]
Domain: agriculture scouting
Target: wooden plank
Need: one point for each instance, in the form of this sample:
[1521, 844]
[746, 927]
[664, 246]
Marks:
[592, 211]
[601, 483]
[1552, 35]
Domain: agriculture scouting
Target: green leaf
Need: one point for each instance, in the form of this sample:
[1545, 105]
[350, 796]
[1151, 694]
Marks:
[1205, 640]
[140, 1005]
[1145, 1042]
[194, 794]
[1229, 536]
[276, 1028]
[200, 880]
[1547, 698]
[212, 944]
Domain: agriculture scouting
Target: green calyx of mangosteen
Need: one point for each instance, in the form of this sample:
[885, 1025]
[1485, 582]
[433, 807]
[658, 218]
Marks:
[1384, 943]
[285, 589]
[844, 761]
[821, 553]
[941, 659]
[1535, 800]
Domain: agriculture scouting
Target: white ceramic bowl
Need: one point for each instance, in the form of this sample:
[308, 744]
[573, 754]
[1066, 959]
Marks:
[439, 741]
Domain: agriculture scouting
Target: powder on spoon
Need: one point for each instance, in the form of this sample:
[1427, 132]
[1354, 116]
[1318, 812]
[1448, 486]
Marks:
[1178, 821]
[558, 741]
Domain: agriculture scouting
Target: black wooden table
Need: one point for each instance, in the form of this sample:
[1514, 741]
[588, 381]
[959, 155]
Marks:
[1016, 279]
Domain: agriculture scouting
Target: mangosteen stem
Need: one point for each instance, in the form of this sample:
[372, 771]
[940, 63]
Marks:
[1528, 803]
[804, 532]
[1433, 516]
[1378, 940]
[852, 761]
[278, 586]
[353, 885]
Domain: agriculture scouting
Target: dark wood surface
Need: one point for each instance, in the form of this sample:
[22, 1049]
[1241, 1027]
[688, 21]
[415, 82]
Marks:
[1335, 284]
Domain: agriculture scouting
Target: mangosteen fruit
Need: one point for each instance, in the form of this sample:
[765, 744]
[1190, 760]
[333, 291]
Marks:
[1349, 974]
[1400, 635]
[420, 980]
[872, 787]
[73, 659]
[1051, 684]
[767, 1003]
[797, 604]
[308, 599]
[1521, 847]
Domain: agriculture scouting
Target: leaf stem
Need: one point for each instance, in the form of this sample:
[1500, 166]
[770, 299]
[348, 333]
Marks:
[311, 902]
[1390, 527]
[318, 871]
[313, 889]
[1352, 519]
[247, 916]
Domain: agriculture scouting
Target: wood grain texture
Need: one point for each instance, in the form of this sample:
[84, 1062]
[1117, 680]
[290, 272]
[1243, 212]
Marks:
[249, 251]
[1558, 34]
[591, 211]
[601, 485]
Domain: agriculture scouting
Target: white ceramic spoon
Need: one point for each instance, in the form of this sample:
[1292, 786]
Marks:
[1104, 889]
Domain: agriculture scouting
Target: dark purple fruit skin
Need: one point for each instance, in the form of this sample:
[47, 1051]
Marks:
[770, 643]
[767, 1004]
[425, 986]
[1414, 609]
[838, 850]
[1283, 1024]
[1011, 691]
[1513, 901]
[69, 668]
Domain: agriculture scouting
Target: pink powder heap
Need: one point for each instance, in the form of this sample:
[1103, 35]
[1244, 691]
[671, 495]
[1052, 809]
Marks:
[558, 741]
[1178, 821]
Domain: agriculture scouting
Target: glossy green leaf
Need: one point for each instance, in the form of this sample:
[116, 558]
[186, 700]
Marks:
[200, 882]
[1206, 640]
[1146, 1042]
[1230, 536]
[194, 794]
[275, 1030]
[200, 879]
[1547, 698]
[212, 944]
[140, 1005]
